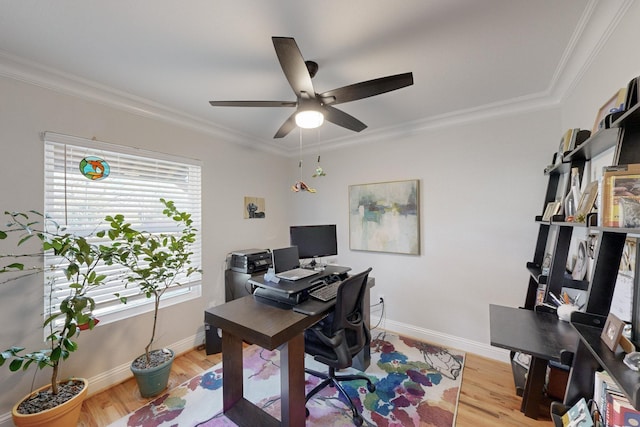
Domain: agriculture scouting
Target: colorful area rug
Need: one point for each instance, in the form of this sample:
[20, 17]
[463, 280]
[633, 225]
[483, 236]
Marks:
[417, 384]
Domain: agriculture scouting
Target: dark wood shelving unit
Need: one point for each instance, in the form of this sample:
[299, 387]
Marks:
[555, 236]
[598, 356]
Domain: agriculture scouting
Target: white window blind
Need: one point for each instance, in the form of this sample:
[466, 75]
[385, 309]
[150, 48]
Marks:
[136, 181]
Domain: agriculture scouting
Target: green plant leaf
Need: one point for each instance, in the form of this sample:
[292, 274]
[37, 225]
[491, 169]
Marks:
[15, 364]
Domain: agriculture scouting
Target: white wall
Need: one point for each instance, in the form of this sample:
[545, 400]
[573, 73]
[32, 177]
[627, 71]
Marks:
[481, 185]
[230, 172]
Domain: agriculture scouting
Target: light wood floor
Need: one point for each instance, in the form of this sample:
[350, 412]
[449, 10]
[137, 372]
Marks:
[487, 397]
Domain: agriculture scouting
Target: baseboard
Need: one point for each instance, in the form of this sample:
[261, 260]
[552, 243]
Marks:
[122, 373]
[444, 339]
[105, 380]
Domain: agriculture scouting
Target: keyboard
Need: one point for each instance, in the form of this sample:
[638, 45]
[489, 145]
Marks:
[326, 293]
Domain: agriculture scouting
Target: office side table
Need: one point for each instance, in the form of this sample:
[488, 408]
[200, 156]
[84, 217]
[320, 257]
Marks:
[270, 327]
[542, 335]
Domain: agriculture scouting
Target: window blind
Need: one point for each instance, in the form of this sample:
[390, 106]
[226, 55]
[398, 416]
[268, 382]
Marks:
[136, 181]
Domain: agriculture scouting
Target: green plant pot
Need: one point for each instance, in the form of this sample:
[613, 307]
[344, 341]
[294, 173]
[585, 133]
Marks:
[153, 381]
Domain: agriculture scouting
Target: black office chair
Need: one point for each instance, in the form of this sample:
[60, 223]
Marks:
[338, 338]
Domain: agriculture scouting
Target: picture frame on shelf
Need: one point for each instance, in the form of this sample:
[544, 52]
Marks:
[587, 199]
[613, 104]
[550, 210]
[612, 331]
[579, 270]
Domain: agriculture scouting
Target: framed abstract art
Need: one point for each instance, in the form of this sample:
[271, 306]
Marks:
[385, 217]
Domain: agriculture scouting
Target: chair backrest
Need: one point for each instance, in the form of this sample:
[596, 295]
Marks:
[349, 311]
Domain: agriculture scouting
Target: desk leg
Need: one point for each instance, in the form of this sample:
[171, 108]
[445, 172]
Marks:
[292, 382]
[232, 386]
[532, 394]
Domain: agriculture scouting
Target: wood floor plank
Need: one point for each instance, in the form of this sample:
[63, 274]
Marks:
[487, 395]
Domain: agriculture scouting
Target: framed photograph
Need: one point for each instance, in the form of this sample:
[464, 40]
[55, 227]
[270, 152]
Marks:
[254, 207]
[579, 270]
[552, 209]
[613, 104]
[588, 199]
[385, 217]
[612, 331]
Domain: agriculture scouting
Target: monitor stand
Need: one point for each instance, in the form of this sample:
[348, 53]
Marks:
[317, 266]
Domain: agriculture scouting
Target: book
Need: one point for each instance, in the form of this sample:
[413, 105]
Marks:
[578, 415]
[622, 413]
[603, 384]
[618, 182]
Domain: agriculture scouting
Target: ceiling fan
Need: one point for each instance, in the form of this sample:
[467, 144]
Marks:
[318, 105]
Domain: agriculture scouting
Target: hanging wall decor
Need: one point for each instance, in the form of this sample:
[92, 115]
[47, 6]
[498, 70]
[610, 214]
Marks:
[319, 171]
[254, 207]
[94, 168]
[301, 185]
[385, 217]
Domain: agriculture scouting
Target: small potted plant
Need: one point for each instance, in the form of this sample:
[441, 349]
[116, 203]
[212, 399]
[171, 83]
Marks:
[156, 262]
[79, 259]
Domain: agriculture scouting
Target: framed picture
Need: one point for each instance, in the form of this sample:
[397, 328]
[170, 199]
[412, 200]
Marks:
[254, 207]
[552, 209]
[613, 104]
[579, 270]
[612, 331]
[385, 217]
[588, 199]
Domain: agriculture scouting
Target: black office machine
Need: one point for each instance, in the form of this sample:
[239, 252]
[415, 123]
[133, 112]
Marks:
[250, 260]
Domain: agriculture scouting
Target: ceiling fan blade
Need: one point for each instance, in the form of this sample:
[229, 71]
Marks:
[343, 119]
[293, 65]
[366, 89]
[287, 126]
[253, 103]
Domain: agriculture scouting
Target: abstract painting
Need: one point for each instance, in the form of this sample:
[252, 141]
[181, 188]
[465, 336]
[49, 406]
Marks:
[385, 217]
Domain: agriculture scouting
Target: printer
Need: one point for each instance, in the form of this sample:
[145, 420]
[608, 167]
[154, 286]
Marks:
[251, 260]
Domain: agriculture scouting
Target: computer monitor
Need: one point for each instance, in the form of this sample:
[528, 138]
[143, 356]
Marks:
[314, 241]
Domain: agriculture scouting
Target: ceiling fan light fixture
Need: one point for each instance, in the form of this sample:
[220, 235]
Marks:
[309, 119]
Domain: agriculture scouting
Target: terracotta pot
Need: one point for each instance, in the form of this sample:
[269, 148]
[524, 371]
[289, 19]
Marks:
[64, 415]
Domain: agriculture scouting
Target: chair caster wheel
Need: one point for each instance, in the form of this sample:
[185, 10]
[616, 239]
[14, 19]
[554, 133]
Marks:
[358, 420]
[371, 388]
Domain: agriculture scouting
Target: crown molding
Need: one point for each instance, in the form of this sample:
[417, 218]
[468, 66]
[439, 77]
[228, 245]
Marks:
[29, 72]
[594, 28]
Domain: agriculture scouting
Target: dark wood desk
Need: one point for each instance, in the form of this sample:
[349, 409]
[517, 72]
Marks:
[542, 335]
[269, 327]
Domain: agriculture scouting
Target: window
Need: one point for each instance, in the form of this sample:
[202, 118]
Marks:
[87, 180]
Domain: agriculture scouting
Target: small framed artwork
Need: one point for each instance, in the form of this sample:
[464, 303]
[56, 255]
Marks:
[254, 207]
[588, 199]
[552, 209]
[613, 104]
[579, 270]
[612, 331]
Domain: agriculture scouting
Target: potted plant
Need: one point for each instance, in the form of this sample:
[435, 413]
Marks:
[79, 259]
[156, 262]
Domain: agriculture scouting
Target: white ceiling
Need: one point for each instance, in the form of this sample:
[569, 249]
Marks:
[169, 58]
